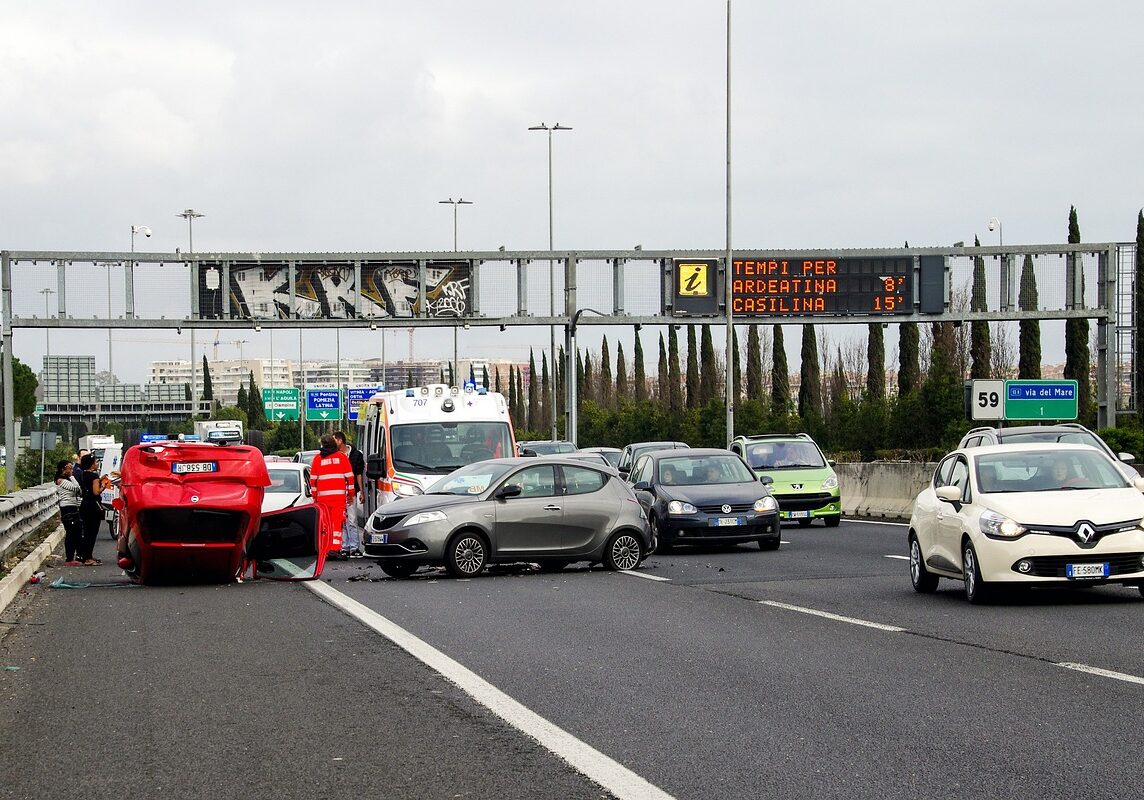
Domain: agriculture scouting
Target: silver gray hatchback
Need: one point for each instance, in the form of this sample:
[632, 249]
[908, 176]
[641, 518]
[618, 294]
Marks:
[550, 510]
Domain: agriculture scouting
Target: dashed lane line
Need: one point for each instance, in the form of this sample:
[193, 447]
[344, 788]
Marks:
[608, 773]
[878, 522]
[635, 574]
[837, 617]
[903, 558]
[1104, 673]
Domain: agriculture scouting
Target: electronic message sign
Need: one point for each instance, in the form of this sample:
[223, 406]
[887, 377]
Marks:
[822, 285]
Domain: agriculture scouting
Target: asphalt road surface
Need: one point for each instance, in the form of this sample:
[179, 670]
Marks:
[812, 671]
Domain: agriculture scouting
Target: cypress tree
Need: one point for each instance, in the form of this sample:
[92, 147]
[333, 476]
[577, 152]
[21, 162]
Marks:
[621, 374]
[640, 373]
[1029, 355]
[693, 384]
[558, 370]
[1139, 307]
[780, 375]
[498, 383]
[941, 394]
[256, 411]
[674, 387]
[533, 411]
[909, 366]
[708, 371]
[579, 374]
[208, 388]
[441, 378]
[754, 365]
[1076, 332]
[485, 377]
[545, 412]
[979, 344]
[512, 409]
[810, 389]
[661, 374]
[736, 369]
[241, 401]
[605, 382]
[589, 381]
[876, 362]
[409, 377]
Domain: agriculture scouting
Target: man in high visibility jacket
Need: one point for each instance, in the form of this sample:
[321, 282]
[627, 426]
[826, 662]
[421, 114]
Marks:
[332, 484]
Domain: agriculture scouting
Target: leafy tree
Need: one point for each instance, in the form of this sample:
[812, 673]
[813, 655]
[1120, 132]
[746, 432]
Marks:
[754, 364]
[941, 394]
[909, 366]
[640, 372]
[1139, 306]
[979, 346]
[708, 371]
[233, 412]
[1076, 333]
[621, 374]
[692, 374]
[28, 465]
[810, 389]
[1029, 356]
[674, 387]
[606, 384]
[876, 362]
[780, 375]
[208, 388]
[24, 385]
[532, 414]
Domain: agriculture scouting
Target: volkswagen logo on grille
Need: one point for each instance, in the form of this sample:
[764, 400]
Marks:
[1085, 532]
[726, 509]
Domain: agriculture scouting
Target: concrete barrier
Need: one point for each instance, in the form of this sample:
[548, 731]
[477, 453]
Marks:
[882, 489]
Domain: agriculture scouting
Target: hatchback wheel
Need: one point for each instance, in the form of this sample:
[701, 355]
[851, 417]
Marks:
[624, 552]
[923, 580]
[805, 522]
[397, 569]
[976, 590]
[466, 555]
[832, 522]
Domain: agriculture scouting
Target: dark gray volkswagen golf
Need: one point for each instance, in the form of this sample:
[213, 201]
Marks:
[549, 510]
[704, 496]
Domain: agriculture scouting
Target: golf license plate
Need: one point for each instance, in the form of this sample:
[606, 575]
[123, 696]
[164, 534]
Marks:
[379, 538]
[723, 522]
[1086, 570]
[796, 515]
[189, 467]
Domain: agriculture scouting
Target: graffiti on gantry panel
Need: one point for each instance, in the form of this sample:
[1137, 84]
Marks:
[390, 289]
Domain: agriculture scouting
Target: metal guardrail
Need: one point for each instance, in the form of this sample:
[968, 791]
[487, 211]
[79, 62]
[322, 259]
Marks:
[23, 512]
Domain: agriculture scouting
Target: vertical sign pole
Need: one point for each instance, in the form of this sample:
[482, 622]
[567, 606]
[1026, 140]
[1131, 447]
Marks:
[731, 387]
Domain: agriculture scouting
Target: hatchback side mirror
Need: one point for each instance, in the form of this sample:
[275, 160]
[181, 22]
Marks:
[766, 480]
[644, 486]
[508, 490]
[949, 494]
[1127, 458]
[1138, 483]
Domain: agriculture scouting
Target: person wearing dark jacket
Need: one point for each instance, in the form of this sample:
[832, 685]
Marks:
[69, 495]
[90, 511]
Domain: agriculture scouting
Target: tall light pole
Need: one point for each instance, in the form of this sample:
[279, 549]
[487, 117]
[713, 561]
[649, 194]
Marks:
[731, 383]
[47, 293]
[551, 276]
[454, 203]
[191, 215]
[143, 229]
[995, 224]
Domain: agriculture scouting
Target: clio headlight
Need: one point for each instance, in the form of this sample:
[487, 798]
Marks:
[994, 524]
[426, 516]
[680, 507]
[830, 483]
[407, 490]
[765, 504]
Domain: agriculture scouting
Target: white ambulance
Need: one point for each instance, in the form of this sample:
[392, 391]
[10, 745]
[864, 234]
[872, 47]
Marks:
[412, 437]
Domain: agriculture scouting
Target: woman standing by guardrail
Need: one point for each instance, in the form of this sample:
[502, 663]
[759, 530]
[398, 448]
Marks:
[69, 495]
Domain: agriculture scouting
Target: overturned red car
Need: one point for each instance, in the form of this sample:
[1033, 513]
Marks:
[192, 511]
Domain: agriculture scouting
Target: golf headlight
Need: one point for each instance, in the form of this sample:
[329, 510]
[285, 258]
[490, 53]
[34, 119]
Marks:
[994, 524]
[680, 507]
[425, 516]
[407, 490]
[830, 483]
[765, 504]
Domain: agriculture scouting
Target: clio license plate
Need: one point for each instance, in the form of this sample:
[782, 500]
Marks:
[191, 467]
[379, 538]
[1086, 570]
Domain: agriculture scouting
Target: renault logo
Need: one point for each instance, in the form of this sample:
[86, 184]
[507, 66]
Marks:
[1085, 532]
[726, 509]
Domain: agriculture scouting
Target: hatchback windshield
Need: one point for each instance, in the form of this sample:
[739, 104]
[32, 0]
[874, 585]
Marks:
[1047, 471]
[688, 470]
[284, 481]
[776, 455]
[1068, 437]
[472, 479]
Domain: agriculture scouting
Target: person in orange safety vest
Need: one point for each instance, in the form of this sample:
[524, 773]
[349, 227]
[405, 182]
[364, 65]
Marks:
[332, 484]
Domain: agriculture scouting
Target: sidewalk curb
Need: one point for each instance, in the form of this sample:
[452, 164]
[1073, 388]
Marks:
[17, 579]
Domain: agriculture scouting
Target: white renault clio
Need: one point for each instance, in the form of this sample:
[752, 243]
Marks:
[1027, 514]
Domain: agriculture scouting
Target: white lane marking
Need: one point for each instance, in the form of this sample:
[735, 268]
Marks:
[903, 558]
[839, 618]
[610, 774]
[783, 541]
[635, 574]
[878, 522]
[1104, 673]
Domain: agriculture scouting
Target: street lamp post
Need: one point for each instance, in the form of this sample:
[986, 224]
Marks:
[731, 384]
[47, 293]
[191, 215]
[551, 275]
[146, 231]
[454, 203]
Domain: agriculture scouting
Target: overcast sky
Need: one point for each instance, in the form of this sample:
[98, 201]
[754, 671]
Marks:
[339, 126]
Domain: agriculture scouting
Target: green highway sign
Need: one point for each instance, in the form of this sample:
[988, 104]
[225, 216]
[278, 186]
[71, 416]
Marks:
[323, 403]
[39, 410]
[281, 404]
[1040, 400]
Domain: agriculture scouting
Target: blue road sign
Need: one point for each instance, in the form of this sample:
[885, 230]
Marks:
[356, 395]
[323, 403]
[153, 437]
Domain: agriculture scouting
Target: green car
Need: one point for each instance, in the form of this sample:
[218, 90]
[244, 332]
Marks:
[804, 480]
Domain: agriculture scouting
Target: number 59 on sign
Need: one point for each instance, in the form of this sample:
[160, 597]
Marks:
[987, 400]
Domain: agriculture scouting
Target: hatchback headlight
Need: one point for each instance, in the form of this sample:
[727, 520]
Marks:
[994, 524]
[830, 483]
[407, 490]
[765, 504]
[680, 507]
[425, 516]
